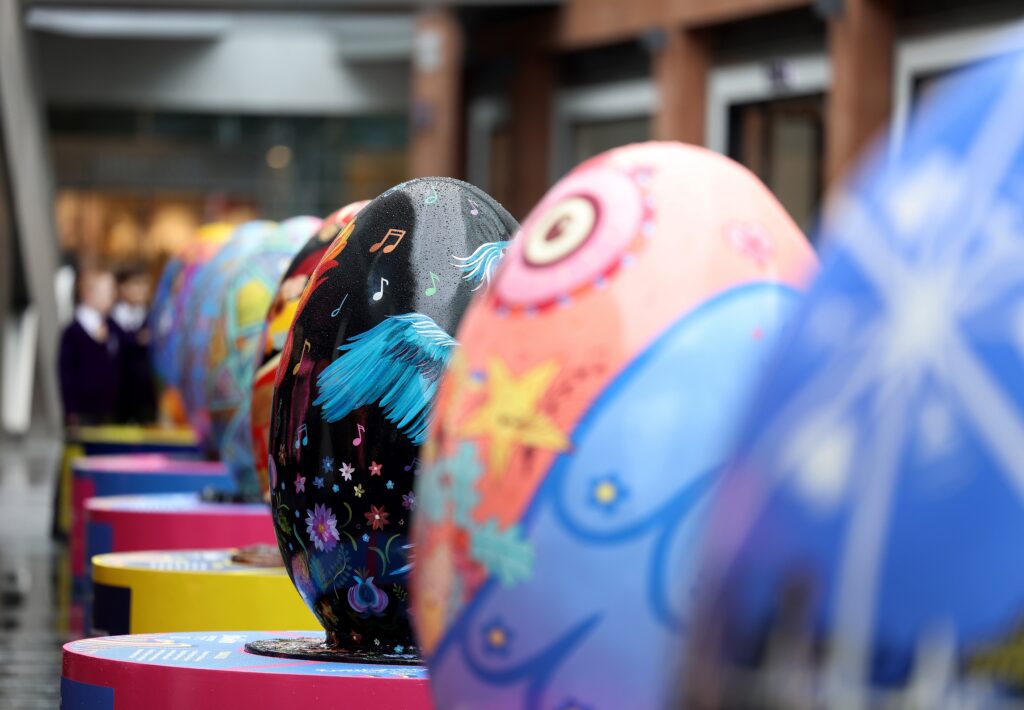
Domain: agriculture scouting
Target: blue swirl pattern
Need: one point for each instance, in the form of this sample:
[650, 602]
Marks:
[615, 526]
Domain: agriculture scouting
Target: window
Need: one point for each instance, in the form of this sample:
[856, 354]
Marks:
[593, 119]
[782, 142]
[923, 62]
[489, 146]
[596, 136]
[770, 116]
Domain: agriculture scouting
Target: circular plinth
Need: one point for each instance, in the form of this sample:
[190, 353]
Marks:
[314, 648]
[165, 671]
[133, 474]
[126, 439]
[175, 521]
[109, 440]
[191, 590]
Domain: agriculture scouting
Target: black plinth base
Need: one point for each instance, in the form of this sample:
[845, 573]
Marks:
[214, 495]
[314, 649]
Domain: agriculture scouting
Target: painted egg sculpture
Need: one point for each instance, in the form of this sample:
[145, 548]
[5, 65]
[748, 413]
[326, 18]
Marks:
[275, 331]
[171, 294]
[873, 523]
[582, 424]
[229, 307]
[371, 338]
[200, 311]
[163, 316]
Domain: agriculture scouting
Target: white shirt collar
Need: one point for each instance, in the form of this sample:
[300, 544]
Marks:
[129, 317]
[90, 319]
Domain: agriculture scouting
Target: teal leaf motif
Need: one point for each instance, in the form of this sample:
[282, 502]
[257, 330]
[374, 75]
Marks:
[435, 493]
[504, 553]
[465, 469]
[432, 497]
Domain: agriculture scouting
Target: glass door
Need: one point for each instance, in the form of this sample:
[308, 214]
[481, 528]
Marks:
[782, 141]
[770, 116]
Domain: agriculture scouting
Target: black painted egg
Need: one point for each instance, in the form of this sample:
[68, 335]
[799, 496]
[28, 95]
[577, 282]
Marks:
[372, 335]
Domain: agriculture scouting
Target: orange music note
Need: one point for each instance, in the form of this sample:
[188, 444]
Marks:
[432, 288]
[400, 233]
[305, 347]
[359, 439]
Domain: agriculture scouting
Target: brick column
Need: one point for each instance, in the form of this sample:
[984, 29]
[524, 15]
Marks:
[680, 70]
[436, 140]
[860, 43]
[531, 98]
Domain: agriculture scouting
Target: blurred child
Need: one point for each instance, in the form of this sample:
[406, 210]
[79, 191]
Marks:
[90, 368]
[137, 402]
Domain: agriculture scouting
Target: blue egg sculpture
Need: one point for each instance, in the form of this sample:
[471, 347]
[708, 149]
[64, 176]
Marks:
[865, 548]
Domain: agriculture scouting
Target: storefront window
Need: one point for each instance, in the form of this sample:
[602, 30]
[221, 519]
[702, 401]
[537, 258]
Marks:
[782, 141]
[133, 186]
[592, 137]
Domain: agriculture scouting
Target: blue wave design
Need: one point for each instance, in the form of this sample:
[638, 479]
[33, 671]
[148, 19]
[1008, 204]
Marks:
[396, 364]
[621, 564]
[536, 670]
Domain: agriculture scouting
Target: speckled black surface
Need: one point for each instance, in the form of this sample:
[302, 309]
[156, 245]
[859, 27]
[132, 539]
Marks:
[358, 470]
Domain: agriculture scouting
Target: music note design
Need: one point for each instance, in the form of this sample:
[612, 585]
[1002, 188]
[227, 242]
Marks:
[360, 429]
[400, 233]
[336, 311]
[474, 207]
[305, 347]
[380, 294]
[432, 198]
[412, 465]
[305, 436]
[432, 288]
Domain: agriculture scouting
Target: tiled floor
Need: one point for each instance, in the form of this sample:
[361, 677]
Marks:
[32, 623]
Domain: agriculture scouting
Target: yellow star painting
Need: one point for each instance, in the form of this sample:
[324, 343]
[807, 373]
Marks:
[510, 417]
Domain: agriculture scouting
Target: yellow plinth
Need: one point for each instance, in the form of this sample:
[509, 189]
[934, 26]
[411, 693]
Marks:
[133, 434]
[199, 590]
[72, 451]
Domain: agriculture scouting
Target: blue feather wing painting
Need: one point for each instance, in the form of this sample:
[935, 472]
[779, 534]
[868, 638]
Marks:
[396, 364]
[478, 267]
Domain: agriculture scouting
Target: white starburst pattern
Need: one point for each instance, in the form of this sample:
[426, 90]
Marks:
[822, 463]
[935, 430]
[913, 203]
[937, 255]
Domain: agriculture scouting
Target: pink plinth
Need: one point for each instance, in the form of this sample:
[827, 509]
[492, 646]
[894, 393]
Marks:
[130, 474]
[174, 521]
[165, 671]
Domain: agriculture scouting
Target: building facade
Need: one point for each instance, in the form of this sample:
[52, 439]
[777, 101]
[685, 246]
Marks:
[793, 89]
